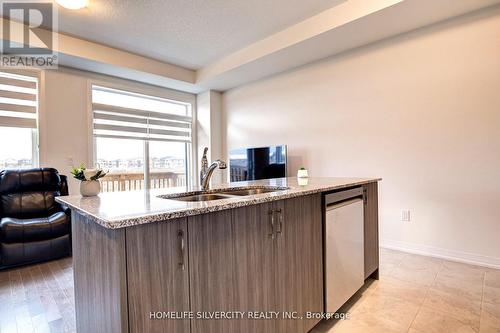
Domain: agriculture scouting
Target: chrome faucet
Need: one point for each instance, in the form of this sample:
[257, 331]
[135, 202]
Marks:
[206, 171]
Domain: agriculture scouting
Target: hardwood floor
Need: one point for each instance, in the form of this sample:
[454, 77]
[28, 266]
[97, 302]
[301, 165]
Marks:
[415, 294]
[38, 298]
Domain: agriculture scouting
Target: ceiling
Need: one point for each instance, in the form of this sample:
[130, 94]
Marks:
[188, 33]
[195, 45]
[353, 24]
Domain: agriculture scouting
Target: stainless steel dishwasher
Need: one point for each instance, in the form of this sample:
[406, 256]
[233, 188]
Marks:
[344, 248]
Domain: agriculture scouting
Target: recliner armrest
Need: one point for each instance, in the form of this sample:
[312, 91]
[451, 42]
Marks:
[64, 185]
[64, 191]
[66, 210]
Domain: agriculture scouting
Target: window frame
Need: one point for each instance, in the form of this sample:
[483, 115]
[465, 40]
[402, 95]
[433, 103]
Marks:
[35, 132]
[158, 92]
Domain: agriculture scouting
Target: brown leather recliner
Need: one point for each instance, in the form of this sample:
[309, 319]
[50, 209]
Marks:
[33, 226]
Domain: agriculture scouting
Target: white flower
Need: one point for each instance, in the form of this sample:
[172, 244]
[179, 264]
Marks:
[89, 173]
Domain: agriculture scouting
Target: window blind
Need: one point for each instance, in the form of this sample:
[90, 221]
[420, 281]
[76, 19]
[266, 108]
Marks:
[18, 100]
[126, 115]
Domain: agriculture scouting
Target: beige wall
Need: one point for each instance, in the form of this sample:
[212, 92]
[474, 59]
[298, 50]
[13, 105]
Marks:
[64, 124]
[208, 129]
[421, 110]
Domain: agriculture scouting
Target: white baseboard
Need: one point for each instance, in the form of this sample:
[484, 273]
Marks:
[431, 251]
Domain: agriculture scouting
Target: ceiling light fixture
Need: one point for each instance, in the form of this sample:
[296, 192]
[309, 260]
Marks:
[73, 4]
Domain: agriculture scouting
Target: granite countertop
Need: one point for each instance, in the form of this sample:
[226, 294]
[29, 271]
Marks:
[115, 210]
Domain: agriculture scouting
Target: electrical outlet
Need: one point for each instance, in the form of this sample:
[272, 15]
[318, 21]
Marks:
[69, 161]
[405, 215]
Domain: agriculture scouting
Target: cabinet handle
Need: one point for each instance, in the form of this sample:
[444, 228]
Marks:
[271, 219]
[280, 222]
[180, 237]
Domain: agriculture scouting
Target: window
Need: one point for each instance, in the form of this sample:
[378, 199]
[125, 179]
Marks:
[18, 121]
[144, 141]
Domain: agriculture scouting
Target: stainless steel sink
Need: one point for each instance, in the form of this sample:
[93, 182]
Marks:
[202, 197]
[222, 194]
[252, 191]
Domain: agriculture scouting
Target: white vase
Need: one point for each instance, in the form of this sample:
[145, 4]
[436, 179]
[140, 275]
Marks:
[302, 173]
[90, 188]
[302, 181]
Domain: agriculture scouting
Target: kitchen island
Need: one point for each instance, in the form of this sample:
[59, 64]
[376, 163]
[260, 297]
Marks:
[150, 261]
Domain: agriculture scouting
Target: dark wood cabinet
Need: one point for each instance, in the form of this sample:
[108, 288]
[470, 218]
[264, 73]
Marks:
[265, 257]
[371, 230]
[158, 280]
[255, 262]
[99, 260]
[232, 268]
[299, 275]
[212, 270]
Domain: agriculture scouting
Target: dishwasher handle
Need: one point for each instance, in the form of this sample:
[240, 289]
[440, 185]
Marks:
[342, 204]
[335, 197]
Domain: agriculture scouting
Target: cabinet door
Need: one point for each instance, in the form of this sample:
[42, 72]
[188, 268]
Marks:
[99, 261]
[212, 269]
[157, 270]
[371, 230]
[299, 276]
[231, 268]
[255, 265]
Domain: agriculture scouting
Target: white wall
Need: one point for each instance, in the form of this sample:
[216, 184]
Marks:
[208, 129]
[64, 124]
[421, 110]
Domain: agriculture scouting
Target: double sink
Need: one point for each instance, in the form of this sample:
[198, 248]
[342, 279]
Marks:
[223, 193]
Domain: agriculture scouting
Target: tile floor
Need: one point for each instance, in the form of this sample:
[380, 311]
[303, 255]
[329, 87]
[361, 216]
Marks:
[418, 294]
[415, 294]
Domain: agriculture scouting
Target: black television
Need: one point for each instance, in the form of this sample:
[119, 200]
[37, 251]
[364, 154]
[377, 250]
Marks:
[257, 163]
